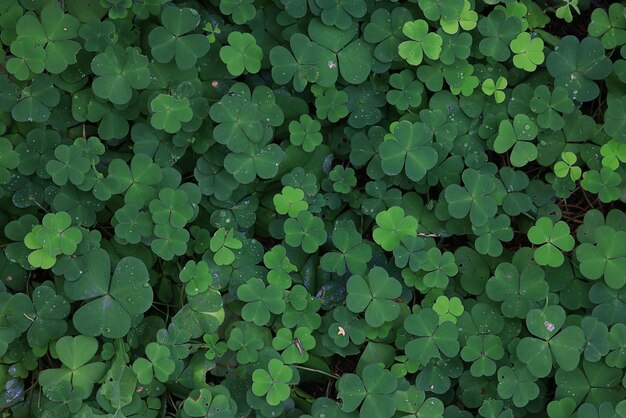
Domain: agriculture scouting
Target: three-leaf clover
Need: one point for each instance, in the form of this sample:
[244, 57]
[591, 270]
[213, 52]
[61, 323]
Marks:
[474, 199]
[272, 383]
[260, 301]
[353, 254]
[482, 351]
[305, 133]
[433, 338]
[528, 52]
[392, 227]
[553, 238]
[173, 40]
[607, 257]
[242, 54]
[375, 295]
[409, 149]
[518, 291]
[372, 391]
[55, 236]
[290, 201]
[422, 42]
[305, 231]
[119, 71]
[222, 244]
[550, 341]
[170, 112]
[518, 136]
[158, 364]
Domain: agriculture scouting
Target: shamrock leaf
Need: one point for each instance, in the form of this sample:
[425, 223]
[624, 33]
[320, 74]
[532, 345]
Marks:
[607, 257]
[260, 301]
[119, 71]
[276, 260]
[474, 199]
[242, 11]
[305, 133]
[158, 364]
[341, 13]
[528, 52]
[518, 137]
[272, 383]
[576, 64]
[305, 231]
[372, 391]
[495, 88]
[353, 254]
[518, 384]
[547, 105]
[482, 351]
[242, 54]
[613, 120]
[173, 40]
[332, 105]
[343, 179]
[112, 300]
[375, 295]
[55, 236]
[565, 345]
[54, 33]
[290, 202]
[553, 238]
[262, 162]
[498, 31]
[75, 354]
[169, 112]
[433, 338]
[385, 30]
[519, 291]
[604, 182]
[28, 58]
[222, 244]
[609, 27]
[440, 267]
[392, 227]
[294, 345]
[36, 100]
[422, 43]
[408, 148]
[49, 322]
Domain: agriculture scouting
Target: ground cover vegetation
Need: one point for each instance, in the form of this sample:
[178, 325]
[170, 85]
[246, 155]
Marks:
[312, 208]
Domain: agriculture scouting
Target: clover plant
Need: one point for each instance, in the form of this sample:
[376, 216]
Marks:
[313, 208]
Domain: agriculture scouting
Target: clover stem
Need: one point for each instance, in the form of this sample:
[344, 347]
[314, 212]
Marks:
[334, 376]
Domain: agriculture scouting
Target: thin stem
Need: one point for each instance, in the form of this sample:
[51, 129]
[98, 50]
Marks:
[334, 376]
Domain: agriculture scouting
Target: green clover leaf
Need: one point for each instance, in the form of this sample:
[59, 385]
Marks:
[517, 137]
[606, 258]
[290, 202]
[242, 54]
[272, 383]
[353, 254]
[305, 133]
[408, 148]
[482, 351]
[609, 27]
[553, 238]
[173, 40]
[119, 71]
[392, 227]
[519, 291]
[372, 391]
[222, 244]
[375, 295]
[169, 113]
[528, 52]
[474, 199]
[433, 339]
[158, 364]
[422, 43]
[305, 231]
[260, 301]
[55, 236]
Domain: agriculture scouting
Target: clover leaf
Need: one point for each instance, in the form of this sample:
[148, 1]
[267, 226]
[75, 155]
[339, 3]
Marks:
[158, 365]
[113, 300]
[290, 202]
[392, 227]
[353, 254]
[604, 182]
[54, 237]
[260, 301]
[498, 30]
[222, 244]
[305, 231]
[517, 137]
[54, 32]
[119, 71]
[565, 345]
[422, 43]
[474, 199]
[482, 351]
[305, 133]
[242, 54]
[553, 238]
[173, 40]
[605, 258]
[375, 295]
[575, 65]
[518, 384]
[519, 291]
[609, 27]
[196, 276]
[272, 383]
[169, 113]
[408, 148]
[372, 391]
[433, 339]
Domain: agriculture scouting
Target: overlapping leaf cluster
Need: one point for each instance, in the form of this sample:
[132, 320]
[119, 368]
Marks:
[312, 208]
